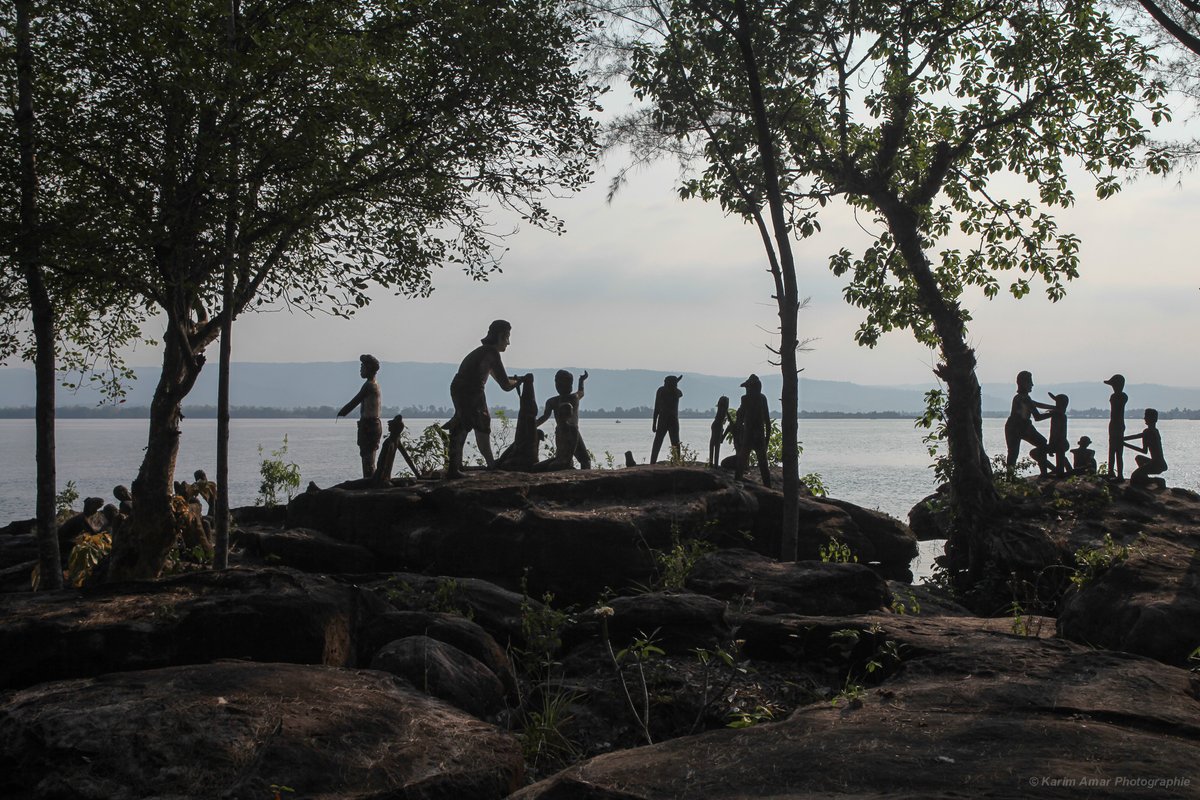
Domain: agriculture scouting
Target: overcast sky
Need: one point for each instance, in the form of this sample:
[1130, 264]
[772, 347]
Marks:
[653, 282]
[650, 281]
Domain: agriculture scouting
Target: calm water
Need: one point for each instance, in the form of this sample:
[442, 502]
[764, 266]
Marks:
[878, 464]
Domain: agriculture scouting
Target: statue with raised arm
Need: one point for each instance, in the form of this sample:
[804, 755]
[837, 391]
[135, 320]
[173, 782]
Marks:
[666, 415]
[1153, 463]
[370, 399]
[1019, 425]
[563, 383]
[1116, 427]
[566, 440]
[752, 430]
[470, 402]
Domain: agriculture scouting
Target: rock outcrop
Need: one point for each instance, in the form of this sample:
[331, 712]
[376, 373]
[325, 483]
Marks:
[244, 731]
[576, 533]
[969, 710]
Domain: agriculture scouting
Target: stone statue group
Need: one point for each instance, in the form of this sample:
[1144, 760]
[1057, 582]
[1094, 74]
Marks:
[750, 428]
[1020, 428]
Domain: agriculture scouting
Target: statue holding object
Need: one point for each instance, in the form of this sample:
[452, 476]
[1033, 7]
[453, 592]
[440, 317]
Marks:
[370, 398]
[470, 401]
[666, 415]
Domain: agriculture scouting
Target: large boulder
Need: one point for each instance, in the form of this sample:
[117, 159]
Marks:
[443, 671]
[763, 585]
[1031, 551]
[575, 533]
[1148, 599]
[462, 633]
[972, 710]
[261, 615]
[243, 730]
[304, 549]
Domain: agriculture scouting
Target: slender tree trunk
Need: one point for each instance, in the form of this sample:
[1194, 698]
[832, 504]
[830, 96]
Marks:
[788, 300]
[142, 549]
[29, 251]
[972, 491]
[221, 511]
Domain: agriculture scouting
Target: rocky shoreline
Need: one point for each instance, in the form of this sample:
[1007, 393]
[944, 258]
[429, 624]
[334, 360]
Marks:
[619, 634]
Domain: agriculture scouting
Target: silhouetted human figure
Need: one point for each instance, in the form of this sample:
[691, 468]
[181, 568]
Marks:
[470, 402]
[85, 521]
[563, 381]
[666, 415]
[205, 489]
[1058, 444]
[522, 454]
[1116, 427]
[630, 461]
[720, 427]
[566, 440]
[1083, 458]
[370, 428]
[1153, 463]
[382, 477]
[752, 430]
[1019, 425]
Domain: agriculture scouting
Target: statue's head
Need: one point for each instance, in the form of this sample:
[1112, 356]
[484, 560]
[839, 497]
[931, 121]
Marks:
[1151, 416]
[369, 365]
[722, 403]
[498, 334]
[1060, 400]
[92, 504]
[1024, 380]
[200, 476]
[1117, 381]
[563, 381]
[396, 425]
[753, 383]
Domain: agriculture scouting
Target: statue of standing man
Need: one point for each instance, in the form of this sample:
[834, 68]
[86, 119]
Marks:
[370, 428]
[470, 402]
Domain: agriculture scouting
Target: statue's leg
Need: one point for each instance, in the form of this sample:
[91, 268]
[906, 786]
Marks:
[675, 440]
[484, 441]
[581, 453]
[763, 465]
[659, 435]
[458, 437]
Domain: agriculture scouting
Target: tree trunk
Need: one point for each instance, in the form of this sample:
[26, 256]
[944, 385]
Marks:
[29, 248]
[972, 492]
[143, 546]
[787, 295]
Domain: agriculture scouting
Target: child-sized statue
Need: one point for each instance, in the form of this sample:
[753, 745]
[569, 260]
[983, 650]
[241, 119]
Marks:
[1019, 425]
[382, 478]
[1083, 458]
[1153, 463]
[470, 402]
[752, 430]
[370, 398]
[563, 381]
[1116, 427]
[566, 440]
[522, 454]
[666, 415]
[1058, 446]
[721, 426]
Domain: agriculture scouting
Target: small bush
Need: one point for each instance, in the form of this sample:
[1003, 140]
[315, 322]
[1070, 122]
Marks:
[278, 477]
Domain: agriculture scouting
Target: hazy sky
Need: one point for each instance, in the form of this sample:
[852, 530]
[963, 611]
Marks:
[653, 282]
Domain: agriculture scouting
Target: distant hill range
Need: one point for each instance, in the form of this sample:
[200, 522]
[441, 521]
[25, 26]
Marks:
[414, 385]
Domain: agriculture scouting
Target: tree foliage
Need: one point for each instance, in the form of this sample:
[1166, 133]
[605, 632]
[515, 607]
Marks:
[373, 138]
